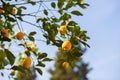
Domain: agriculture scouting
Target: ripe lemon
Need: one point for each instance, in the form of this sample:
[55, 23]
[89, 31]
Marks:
[20, 35]
[13, 12]
[5, 33]
[27, 62]
[63, 29]
[66, 45]
[1, 11]
[65, 65]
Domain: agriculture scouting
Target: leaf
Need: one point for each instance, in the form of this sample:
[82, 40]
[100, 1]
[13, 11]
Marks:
[42, 55]
[40, 64]
[20, 18]
[45, 12]
[69, 5]
[53, 4]
[60, 3]
[32, 33]
[2, 55]
[77, 13]
[85, 44]
[22, 7]
[10, 56]
[47, 59]
[31, 2]
[5, 39]
[72, 23]
[19, 68]
[83, 5]
[31, 38]
[39, 71]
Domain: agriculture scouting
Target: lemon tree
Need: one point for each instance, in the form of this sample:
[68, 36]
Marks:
[53, 19]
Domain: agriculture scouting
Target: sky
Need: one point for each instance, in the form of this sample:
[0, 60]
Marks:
[102, 21]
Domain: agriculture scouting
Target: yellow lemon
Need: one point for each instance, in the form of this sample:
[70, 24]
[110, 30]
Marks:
[65, 65]
[5, 33]
[20, 35]
[63, 29]
[27, 62]
[66, 45]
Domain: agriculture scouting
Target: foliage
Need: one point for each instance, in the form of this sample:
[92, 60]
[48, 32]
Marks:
[13, 13]
[79, 72]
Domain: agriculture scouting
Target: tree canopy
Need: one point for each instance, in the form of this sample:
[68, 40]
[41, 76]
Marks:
[54, 21]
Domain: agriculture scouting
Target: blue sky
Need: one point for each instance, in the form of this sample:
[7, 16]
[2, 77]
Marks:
[102, 21]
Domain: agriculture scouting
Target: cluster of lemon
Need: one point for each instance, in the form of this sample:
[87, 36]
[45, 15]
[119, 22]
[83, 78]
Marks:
[19, 35]
[66, 45]
[13, 12]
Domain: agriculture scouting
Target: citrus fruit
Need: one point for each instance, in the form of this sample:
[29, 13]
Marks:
[20, 35]
[65, 65]
[62, 29]
[5, 33]
[27, 62]
[66, 45]
[13, 12]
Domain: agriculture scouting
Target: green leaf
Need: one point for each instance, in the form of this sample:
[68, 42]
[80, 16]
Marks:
[45, 12]
[77, 13]
[60, 3]
[42, 55]
[40, 64]
[31, 2]
[72, 23]
[53, 4]
[47, 59]
[5, 39]
[69, 5]
[2, 55]
[22, 7]
[85, 44]
[83, 5]
[19, 68]
[39, 71]
[10, 56]
[31, 38]
[32, 33]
